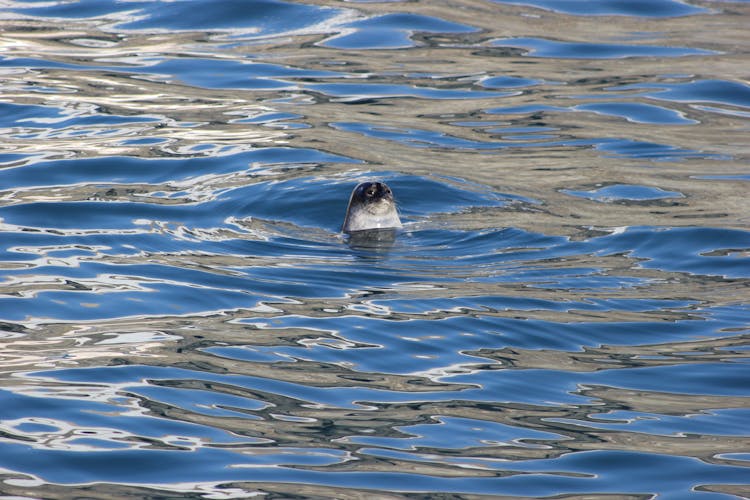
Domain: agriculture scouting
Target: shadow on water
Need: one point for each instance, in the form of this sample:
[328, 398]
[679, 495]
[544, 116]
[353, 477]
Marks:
[372, 242]
[564, 314]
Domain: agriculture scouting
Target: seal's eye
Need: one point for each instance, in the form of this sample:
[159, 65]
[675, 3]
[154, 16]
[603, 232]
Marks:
[371, 192]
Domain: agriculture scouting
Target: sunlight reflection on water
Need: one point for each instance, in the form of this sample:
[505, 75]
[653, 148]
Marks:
[564, 312]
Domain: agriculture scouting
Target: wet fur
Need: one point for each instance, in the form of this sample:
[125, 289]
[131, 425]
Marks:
[367, 212]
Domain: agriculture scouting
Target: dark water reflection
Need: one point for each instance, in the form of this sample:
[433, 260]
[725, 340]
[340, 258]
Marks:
[564, 314]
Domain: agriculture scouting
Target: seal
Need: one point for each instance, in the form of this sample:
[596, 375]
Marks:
[371, 206]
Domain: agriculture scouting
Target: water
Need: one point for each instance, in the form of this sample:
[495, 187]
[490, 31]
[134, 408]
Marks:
[565, 313]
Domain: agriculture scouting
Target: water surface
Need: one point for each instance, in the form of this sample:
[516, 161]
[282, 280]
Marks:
[565, 313]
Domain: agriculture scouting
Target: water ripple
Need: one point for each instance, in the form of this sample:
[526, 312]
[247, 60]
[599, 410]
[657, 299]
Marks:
[538, 47]
[563, 314]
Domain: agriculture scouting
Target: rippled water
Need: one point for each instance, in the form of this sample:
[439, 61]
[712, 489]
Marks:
[565, 313]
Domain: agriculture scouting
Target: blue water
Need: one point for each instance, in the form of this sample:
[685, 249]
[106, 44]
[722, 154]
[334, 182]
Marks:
[565, 313]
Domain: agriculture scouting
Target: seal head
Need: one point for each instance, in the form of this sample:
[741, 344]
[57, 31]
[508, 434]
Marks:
[371, 206]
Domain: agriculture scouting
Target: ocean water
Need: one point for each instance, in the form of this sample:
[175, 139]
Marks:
[565, 314]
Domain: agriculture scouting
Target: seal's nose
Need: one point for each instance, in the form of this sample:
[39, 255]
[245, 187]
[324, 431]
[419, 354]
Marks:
[373, 191]
[379, 190]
